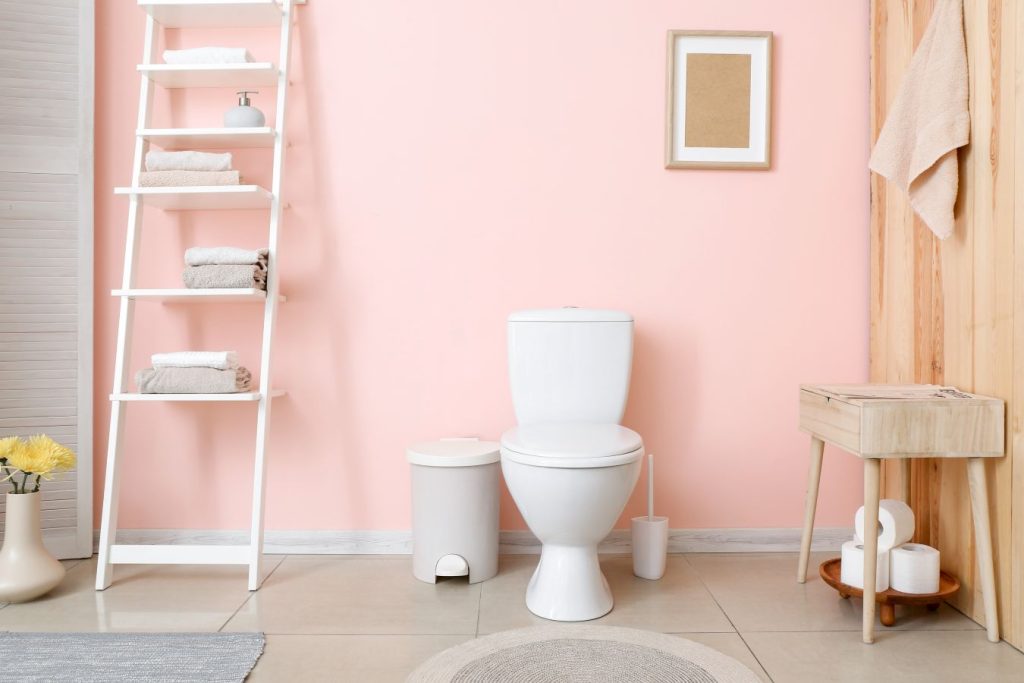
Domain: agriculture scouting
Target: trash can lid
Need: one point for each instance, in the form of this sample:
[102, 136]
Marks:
[454, 453]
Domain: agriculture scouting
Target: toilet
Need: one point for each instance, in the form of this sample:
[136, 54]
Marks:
[569, 465]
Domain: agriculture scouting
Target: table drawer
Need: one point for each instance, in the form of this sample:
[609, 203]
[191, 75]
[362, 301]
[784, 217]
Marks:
[834, 421]
[942, 423]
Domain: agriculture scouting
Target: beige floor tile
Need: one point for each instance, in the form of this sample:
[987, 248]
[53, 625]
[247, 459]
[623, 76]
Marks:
[380, 659]
[759, 592]
[730, 644]
[676, 603]
[142, 598]
[357, 596]
[904, 656]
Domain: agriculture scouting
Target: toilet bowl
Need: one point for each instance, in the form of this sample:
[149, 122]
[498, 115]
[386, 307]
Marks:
[570, 481]
[569, 465]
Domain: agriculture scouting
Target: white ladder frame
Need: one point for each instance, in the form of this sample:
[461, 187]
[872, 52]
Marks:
[111, 553]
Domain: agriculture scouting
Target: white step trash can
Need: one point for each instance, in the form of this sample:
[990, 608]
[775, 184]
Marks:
[455, 505]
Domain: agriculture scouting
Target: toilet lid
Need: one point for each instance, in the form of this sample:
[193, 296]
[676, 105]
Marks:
[571, 444]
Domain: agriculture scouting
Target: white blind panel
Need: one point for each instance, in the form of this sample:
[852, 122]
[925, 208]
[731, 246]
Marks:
[45, 227]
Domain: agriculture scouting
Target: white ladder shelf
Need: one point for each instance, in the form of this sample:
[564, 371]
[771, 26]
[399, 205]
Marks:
[183, 14]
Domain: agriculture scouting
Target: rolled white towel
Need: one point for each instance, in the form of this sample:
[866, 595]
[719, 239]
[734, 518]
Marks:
[188, 161]
[208, 55]
[224, 256]
[220, 360]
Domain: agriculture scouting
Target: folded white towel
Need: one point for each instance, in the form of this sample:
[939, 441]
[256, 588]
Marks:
[220, 360]
[224, 256]
[188, 161]
[208, 55]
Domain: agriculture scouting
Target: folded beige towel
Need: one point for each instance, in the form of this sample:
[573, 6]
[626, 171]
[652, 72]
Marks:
[192, 381]
[226, 276]
[929, 120]
[187, 160]
[187, 178]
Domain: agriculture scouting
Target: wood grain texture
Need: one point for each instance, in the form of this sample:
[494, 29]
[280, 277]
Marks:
[953, 312]
[1015, 444]
[932, 424]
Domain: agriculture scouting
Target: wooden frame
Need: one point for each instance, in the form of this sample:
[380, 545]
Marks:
[757, 153]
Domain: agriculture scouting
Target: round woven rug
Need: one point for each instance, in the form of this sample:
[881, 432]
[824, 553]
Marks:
[581, 654]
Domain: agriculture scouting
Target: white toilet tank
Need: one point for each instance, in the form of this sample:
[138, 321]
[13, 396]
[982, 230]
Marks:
[570, 364]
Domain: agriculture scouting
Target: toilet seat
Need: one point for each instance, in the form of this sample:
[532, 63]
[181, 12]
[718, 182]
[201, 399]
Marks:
[571, 445]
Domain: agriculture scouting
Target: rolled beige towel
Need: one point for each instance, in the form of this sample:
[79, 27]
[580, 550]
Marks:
[193, 381]
[188, 178]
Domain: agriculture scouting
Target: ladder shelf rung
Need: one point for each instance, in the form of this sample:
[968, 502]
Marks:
[215, 13]
[201, 197]
[243, 75]
[176, 296]
[179, 554]
[242, 397]
[209, 138]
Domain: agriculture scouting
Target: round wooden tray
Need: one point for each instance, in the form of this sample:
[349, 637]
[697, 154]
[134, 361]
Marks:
[948, 584]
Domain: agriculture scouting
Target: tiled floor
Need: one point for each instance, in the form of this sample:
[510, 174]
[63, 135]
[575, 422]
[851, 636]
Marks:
[364, 618]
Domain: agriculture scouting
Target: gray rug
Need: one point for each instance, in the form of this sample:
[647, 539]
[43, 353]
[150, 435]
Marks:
[582, 654]
[164, 657]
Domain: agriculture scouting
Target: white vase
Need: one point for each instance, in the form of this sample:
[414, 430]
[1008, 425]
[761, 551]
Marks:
[27, 569]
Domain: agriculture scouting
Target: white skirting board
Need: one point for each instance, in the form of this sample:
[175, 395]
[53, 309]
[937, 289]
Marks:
[512, 542]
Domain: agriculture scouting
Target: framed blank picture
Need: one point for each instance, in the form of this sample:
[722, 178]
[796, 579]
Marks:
[719, 99]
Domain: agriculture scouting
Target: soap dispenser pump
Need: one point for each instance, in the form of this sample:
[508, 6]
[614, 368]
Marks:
[244, 115]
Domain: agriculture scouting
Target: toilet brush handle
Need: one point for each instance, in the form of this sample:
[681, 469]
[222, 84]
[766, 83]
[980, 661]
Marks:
[650, 487]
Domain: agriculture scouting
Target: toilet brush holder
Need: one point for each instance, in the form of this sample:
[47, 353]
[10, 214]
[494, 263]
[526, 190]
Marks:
[650, 546]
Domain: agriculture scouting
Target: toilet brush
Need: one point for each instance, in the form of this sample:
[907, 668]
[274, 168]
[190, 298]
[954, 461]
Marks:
[649, 535]
[650, 487]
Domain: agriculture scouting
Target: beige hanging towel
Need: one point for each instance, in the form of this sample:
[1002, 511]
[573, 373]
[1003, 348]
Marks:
[929, 120]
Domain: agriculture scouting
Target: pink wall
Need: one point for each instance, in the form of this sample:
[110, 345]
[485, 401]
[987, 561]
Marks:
[455, 160]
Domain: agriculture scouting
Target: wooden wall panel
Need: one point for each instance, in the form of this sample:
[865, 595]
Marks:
[1015, 431]
[953, 312]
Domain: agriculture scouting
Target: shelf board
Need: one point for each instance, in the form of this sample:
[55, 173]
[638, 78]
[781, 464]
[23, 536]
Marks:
[209, 138]
[214, 13]
[244, 75]
[246, 397]
[201, 197]
[210, 296]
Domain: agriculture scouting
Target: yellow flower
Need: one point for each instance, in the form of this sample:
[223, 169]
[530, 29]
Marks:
[11, 447]
[63, 457]
[42, 455]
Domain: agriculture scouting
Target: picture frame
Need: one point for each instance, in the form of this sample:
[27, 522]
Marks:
[718, 100]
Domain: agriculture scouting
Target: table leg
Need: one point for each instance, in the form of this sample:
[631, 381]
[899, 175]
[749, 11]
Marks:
[872, 469]
[905, 480]
[813, 477]
[983, 542]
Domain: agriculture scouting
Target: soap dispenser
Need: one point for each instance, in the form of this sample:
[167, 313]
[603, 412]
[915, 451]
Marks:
[244, 115]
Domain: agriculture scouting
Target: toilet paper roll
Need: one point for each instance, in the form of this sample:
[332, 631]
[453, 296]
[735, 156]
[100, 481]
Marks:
[914, 568]
[895, 524]
[851, 568]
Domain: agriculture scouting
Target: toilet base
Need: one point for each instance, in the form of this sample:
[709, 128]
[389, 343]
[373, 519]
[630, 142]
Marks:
[568, 585]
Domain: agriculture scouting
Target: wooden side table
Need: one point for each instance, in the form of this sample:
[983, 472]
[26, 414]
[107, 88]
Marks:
[876, 422]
